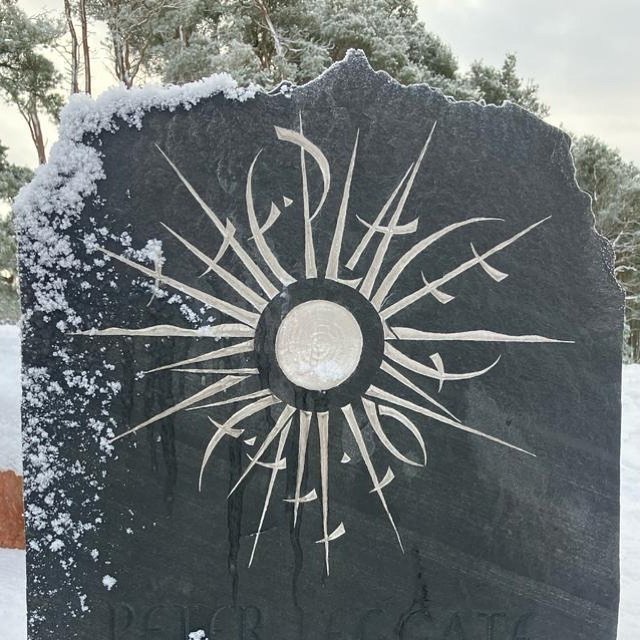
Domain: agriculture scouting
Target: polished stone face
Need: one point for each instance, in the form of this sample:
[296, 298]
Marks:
[368, 349]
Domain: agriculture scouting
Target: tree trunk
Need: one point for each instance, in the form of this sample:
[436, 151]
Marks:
[85, 46]
[121, 61]
[74, 46]
[271, 31]
[36, 134]
[126, 72]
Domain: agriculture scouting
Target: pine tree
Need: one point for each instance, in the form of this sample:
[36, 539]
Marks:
[267, 41]
[12, 177]
[28, 79]
[494, 86]
[614, 187]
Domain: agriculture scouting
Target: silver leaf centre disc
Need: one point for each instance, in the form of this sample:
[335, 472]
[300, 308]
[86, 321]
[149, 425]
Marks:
[318, 345]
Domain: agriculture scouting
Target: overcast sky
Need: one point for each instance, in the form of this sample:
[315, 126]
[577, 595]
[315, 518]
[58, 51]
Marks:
[584, 54]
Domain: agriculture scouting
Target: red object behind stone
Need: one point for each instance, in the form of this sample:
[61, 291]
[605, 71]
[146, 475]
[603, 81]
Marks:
[11, 511]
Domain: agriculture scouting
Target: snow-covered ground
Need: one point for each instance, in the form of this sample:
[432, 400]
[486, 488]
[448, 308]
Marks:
[13, 616]
[10, 454]
[13, 602]
[12, 569]
[629, 628]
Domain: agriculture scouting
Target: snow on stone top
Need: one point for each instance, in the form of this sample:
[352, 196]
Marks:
[84, 114]
[60, 187]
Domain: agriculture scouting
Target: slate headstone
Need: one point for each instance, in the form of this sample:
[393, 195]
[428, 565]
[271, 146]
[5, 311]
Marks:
[335, 362]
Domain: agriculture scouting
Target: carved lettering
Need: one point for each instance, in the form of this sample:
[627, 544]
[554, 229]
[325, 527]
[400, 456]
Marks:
[416, 625]
[174, 621]
[235, 623]
[335, 625]
[222, 625]
[370, 624]
[491, 620]
[455, 630]
[168, 624]
[121, 619]
[521, 628]
[251, 619]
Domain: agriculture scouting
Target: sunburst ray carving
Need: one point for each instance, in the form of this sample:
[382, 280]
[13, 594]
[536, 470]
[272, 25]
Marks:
[323, 364]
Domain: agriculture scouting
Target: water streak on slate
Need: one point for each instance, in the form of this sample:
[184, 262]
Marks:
[339, 361]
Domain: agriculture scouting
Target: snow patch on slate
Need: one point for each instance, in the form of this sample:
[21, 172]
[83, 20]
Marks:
[59, 189]
[109, 582]
[46, 212]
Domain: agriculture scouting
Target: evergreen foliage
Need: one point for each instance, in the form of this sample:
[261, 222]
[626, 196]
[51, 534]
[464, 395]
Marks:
[12, 178]
[495, 86]
[28, 79]
[614, 187]
[267, 41]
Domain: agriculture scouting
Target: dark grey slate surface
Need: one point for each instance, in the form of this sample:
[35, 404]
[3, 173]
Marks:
[498, 544]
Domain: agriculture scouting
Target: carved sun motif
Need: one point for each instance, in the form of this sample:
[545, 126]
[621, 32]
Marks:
[319, 341]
